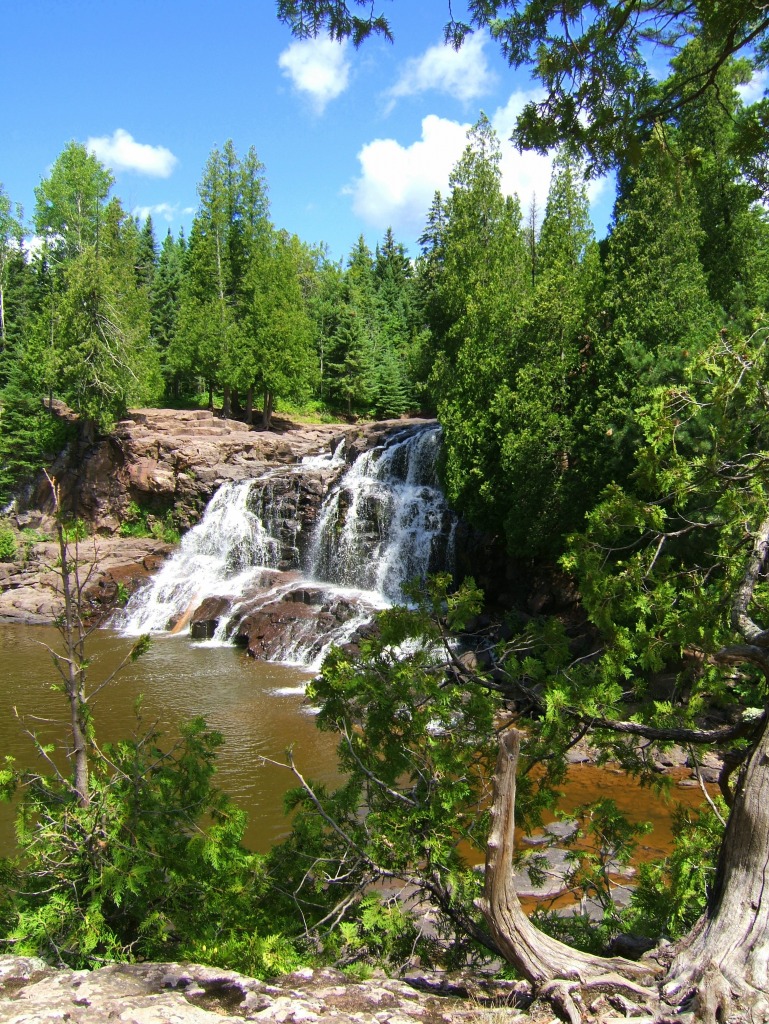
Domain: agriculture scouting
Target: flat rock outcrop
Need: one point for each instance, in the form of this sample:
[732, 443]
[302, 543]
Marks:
[30, 587]
[33, 993]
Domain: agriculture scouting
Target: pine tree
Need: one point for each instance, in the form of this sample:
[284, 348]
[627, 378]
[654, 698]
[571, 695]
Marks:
[229, 230]
[147, 255]
[277, 354]
[11, 232]
[350, 363]
[657, 313]
[165, 301]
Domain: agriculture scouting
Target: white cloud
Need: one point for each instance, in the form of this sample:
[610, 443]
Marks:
[754, 90]
[318, 67]
[397, 182]
[122, 152]
[164, 211]
[464, 74]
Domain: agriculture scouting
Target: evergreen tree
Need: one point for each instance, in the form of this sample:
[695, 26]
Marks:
[147, 256]
[734, 248]
[658, 313]
[357, 342]
[546, 398]
[228, 231]
[86, 330]
[429, 306]
[325, 300]
[70, 203]
[277, 356]
[165, 301]
[350, 362]
[11, 232]
[481, 281]
[399, 328]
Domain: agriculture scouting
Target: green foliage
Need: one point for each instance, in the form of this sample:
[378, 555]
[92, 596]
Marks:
[30, 435]
[370, 335]
[252, 954]
[609, 841]
[602, 845]
[416, 751]
[70, 202]
[150, 865]
[383, 932]
[140, 522]
[672, 894]
[545, 397]
[7, 544]
[75, 530]
[480, 276]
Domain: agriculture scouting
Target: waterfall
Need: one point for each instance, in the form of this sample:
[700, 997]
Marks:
[223, 554]
[387, 521]
[252, 561]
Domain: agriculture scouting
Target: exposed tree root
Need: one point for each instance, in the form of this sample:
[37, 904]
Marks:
[699, 980]
[560, 995]
[713, 999]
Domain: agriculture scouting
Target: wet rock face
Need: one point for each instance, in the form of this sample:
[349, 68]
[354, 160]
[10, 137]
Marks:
[30, 991]
[305, 618]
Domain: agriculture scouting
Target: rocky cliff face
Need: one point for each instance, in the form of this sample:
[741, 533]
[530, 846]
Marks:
[168, 460]
[172, 462]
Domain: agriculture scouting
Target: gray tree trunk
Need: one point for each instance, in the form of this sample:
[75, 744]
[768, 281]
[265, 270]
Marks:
[537, 956]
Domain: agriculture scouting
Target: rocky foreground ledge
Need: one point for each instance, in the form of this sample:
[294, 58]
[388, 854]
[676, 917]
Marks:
[31, 992]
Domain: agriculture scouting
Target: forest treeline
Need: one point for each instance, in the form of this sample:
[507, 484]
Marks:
[536, 344]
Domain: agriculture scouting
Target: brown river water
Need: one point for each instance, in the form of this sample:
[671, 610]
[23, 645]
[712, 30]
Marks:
[260, 709]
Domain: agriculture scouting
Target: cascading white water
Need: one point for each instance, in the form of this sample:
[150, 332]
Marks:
[387, 521]
[384, 523]
[220, 556]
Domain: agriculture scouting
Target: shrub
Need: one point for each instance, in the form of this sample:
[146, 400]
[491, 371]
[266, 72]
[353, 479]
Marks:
[138, 522]
[7, 544]
[152, 865]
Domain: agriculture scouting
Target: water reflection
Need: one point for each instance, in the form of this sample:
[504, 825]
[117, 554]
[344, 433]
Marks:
[259, 708]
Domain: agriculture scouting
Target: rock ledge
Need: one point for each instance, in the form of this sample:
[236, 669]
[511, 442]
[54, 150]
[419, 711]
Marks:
[33, 993]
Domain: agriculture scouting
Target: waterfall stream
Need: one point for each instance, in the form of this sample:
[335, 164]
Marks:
[259, 564]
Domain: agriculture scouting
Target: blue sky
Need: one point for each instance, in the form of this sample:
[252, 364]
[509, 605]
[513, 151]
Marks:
[352, 141]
